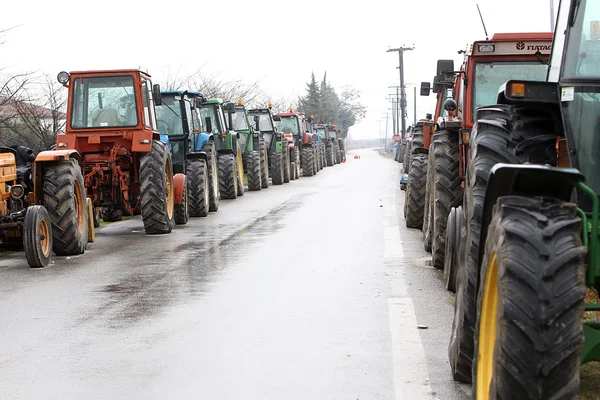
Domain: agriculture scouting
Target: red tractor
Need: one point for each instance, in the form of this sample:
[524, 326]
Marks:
[111, 128]
[302, 143]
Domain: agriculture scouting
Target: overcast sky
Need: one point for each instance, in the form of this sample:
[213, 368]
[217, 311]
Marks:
[277, 43]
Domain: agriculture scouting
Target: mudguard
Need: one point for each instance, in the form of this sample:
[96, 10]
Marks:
[179, 186]
[200, 139]
[196, 155]
[525, 180]
[165, 139]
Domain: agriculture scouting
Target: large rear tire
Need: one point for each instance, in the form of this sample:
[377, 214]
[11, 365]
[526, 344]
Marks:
[277, 168]
[502, 134]
[228, 180]
[213, 175]
[113, 215]
[157, 196]
[307, 160]
[329, 156]
[530, 302]
[64, 198]
[37, 236]
[447, 190]
[264, 165]
[253, 173]
[198, 193]
[415, 192]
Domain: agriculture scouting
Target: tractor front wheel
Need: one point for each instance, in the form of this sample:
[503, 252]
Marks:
[454, 246]
[529, 333]
[182, 212]
[198, 196]
[264, 165]
[286, 163]
[157, 192]
[415, 192]
[64, 198]
[277, 168]
[37, 236]
[308, 162]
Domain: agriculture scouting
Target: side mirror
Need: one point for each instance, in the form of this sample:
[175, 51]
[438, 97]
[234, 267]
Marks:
[156, 94]
[444, 67]
[230, 107]
[425, 88]
[198, 102]
[208, 124]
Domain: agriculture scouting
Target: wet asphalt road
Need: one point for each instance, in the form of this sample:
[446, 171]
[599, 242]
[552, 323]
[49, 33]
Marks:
[311, 290]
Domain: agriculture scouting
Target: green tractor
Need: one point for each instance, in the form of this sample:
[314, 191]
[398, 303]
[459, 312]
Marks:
[275, 142]
[302, 143]
[529, 244]
[193, 154]
[229, 153]
[252, 144]
[328, 136]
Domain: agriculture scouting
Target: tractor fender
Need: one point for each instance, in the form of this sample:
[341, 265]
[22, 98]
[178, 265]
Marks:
[525, 180]
[41, 160]
[165, 139]
[196, 155]
[201, 139]
[178, 186]
[225, 151]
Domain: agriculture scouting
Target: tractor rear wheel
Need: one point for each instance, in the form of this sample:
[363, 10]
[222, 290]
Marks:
[277, 168]
[157, 196]
[64, 198]
[37, 236]
[228, 180]
[502, 134]
[286, 163]
[182, 212]
[264, 165]
[529, 333]
[447, 190]
[329, 156]
[307, 167]
[401, 152]
[415, 192]
[253, 173]
[213, 175]
[197, 179]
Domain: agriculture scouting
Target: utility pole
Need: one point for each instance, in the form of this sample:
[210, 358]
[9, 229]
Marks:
[551, 15]
[415, 105]
[397, 110]
[401, 51]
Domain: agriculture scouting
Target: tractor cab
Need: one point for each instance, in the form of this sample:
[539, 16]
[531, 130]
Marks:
[261, 120]
[289, 124]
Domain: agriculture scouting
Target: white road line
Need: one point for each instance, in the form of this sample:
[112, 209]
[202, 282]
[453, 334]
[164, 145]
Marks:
[392, 243]
[411, 379]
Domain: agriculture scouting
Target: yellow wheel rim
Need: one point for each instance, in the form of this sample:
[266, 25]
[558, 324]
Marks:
[44, 237]
[79, 207]
[240, 164]
[488, 329]
[169, 190]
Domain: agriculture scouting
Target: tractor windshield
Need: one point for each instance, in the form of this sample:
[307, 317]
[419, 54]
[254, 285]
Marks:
[240, 123]
[168, 116]
[489, 76]
[332, 134]
[264, 122]
[583, 48]
[321, 132]
[104, 102]
[288, 125]
[209, 111]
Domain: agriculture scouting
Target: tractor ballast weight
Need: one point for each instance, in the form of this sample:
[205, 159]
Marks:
[112, 127]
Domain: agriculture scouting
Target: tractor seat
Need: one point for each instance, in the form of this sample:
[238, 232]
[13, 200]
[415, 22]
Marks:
[106, 117]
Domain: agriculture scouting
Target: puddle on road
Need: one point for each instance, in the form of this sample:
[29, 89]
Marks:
[187, 270]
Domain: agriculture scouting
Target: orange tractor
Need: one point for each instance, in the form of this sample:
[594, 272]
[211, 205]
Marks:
[486, 66]
[111, 129]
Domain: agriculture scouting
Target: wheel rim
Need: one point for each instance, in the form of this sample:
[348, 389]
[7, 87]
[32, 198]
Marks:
[488, 328]
[79, 207]
[44, 237]
[169, 194]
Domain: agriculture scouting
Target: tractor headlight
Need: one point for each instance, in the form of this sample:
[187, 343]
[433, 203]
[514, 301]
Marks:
[17, 191]
[63, 77]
